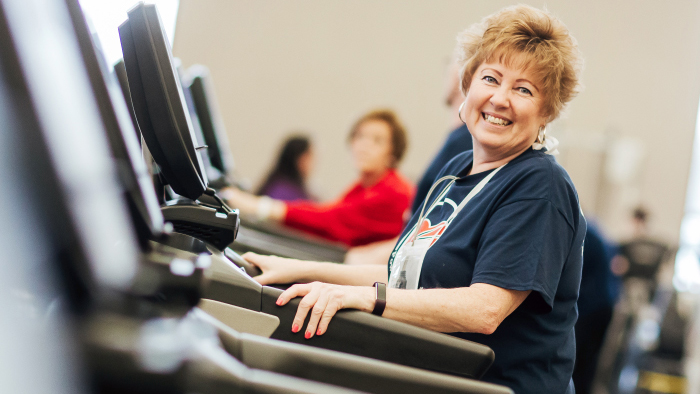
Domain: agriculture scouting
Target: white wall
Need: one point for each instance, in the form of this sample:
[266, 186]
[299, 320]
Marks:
[318, 64]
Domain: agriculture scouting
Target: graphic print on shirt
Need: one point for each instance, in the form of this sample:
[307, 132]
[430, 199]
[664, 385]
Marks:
[429, 232]
[411, 252]
[406, 262]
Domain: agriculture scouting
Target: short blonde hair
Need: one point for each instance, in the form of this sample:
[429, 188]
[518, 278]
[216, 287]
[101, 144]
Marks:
[525, 37]
[399, 136]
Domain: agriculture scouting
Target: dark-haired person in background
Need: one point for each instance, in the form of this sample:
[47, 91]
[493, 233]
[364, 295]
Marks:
[287, 179]
[371, 210]
[459, 140]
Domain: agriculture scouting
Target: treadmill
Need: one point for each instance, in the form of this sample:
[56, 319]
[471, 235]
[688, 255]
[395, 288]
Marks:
[265, 354]
[78, 229]
[198, 81]
[130, 344]
[253, 236]
[34, 328]
[351, 332]
[217, 178]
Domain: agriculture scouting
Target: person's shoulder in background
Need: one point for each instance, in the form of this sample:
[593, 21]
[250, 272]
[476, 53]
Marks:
[458, 141]
[285, 190]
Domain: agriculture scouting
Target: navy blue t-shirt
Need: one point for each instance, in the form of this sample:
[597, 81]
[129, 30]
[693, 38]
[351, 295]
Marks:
[523, 231]
[457, 142]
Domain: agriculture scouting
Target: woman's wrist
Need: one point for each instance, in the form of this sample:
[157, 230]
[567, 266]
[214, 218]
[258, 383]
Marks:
[309, 271]
[362, 298]
[278, 210]
[266, 208]
[263, 208]
[369, 299]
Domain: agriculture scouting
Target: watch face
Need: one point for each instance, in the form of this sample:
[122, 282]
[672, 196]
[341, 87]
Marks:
[380, 298]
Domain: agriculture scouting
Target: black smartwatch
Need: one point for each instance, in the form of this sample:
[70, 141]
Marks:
[380, 298]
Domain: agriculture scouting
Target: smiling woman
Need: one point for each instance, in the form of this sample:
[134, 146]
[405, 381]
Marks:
[503, 112]
[494, 255]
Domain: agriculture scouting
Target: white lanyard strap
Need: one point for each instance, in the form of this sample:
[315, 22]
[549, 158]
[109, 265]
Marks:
[473, 193]
[444, 191]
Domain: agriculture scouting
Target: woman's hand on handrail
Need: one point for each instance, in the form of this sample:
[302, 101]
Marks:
[324, 300]
[277, 270]
[479, 308]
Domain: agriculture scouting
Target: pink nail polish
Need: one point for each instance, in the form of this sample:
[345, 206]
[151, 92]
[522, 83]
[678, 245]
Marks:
[307, 335]
[295, 328]
[318, 332]
[278, 302]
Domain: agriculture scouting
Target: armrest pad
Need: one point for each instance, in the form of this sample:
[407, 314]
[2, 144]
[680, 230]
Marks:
[372, 336]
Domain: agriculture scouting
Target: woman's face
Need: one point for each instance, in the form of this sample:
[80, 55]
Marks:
[305, 163]
[371, 146]
[503, 109]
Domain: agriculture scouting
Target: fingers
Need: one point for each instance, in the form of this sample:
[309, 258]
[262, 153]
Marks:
[332, 307]
[308, 302]
[293, 292]
[319, 309]
[322, 300]
[252, 258]
[257, 260]
[265, 279]
[269, 274]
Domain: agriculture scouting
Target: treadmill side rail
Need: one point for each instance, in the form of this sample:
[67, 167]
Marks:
[231, 285]
[337, 368]
[241, 319]
[371, 336]
[350, 331]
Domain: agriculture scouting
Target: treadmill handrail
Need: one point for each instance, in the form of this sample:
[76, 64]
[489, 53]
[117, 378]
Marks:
[337, 368]
[391, 341]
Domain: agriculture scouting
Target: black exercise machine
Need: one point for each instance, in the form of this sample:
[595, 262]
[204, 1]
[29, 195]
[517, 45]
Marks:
[353, 332]
[134, 335]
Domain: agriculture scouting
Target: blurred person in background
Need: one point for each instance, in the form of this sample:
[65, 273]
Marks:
[596, 301]
[640, 224]
[459, 140]
[495, 253]
[642, 250]
[287, 181]
[371, 210]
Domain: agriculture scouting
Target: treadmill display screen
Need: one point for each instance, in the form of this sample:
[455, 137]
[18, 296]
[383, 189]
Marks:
[159, 103]
[201, 86]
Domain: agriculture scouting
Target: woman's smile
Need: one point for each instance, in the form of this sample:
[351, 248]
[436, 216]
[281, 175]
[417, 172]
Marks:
[496, 119]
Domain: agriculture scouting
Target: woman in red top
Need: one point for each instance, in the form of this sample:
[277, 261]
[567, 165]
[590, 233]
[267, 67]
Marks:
[371, 210]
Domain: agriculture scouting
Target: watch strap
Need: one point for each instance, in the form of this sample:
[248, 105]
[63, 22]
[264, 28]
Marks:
[380, 298]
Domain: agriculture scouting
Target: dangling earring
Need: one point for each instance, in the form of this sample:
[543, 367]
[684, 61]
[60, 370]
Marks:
[460, 111]
[541, 135]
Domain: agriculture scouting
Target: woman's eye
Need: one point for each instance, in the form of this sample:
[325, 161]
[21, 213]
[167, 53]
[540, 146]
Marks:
[525, 91]
[490, 79]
